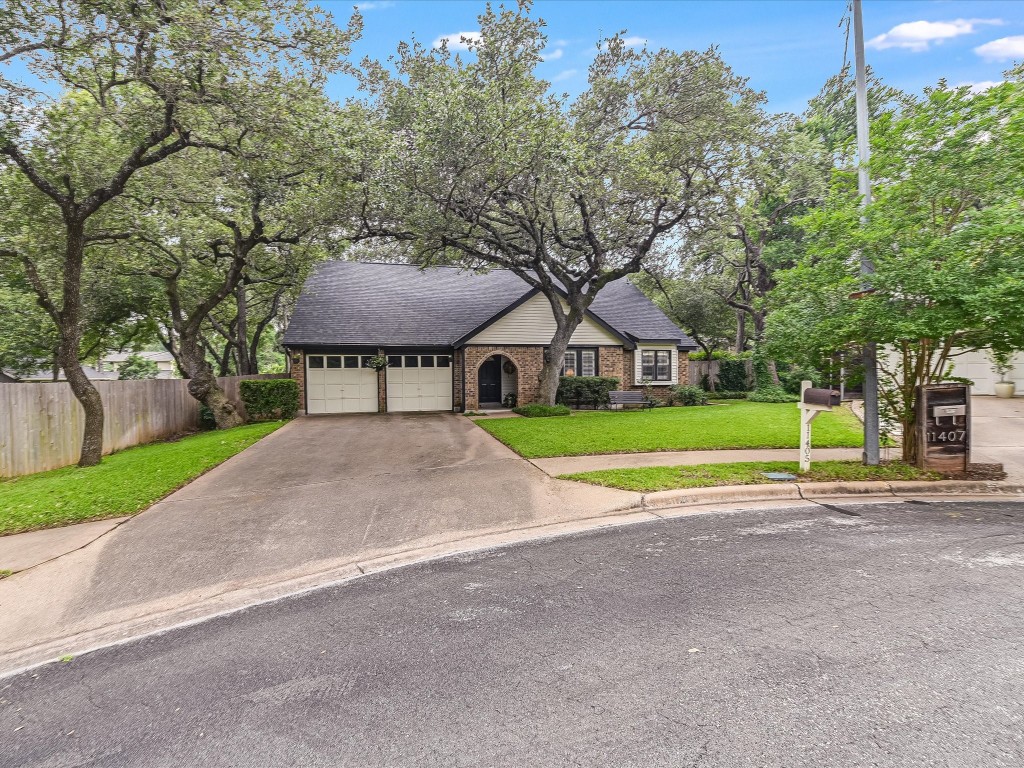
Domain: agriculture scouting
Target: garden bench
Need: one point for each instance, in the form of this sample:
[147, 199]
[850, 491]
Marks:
[624, 398]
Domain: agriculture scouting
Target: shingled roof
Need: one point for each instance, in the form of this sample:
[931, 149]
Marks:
[358, 303]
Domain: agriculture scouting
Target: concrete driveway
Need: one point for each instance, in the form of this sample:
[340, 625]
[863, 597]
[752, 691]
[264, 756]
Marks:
[999, 433]
[315, 497]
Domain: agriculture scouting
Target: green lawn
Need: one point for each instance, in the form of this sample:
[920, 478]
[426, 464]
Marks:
[731, 424]
[125, 483]
[648, 479]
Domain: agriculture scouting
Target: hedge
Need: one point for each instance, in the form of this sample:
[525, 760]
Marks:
[267, 399]
[585, 390]
[535, 410]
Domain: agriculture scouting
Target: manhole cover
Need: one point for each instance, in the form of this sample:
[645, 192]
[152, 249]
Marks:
[779, 475]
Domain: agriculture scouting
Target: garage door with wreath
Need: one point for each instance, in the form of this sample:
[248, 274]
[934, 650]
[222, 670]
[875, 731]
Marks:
[340, 384]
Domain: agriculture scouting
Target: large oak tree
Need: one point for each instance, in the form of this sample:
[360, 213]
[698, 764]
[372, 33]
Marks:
[481, 164]
[111, 89]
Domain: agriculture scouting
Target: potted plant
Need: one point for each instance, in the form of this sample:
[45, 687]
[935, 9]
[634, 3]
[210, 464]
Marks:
[1001, 366]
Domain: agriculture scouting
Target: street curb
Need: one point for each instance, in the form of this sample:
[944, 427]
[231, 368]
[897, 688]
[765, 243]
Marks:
[810, 491]
[664, 505]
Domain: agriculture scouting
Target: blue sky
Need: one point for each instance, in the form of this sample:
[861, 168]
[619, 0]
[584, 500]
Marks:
[787, 48]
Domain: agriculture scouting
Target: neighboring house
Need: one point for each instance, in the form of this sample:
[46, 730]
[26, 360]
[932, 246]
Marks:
[7, 377]
[106, 368]
[112, 361]
[458, 340]
[977, 366]
[91, 373]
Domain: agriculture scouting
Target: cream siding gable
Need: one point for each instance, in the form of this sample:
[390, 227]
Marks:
[532, 323]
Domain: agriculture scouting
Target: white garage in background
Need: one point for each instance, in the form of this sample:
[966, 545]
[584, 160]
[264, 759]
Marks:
[340, 384]
[977, 366]
[419, 383]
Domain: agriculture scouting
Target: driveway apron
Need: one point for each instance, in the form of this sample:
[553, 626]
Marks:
[316, 492]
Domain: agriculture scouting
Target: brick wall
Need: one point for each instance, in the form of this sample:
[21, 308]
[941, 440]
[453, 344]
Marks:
[382, 387]
[457, 399]
[528, 362]
[298, 373]
[609, 363]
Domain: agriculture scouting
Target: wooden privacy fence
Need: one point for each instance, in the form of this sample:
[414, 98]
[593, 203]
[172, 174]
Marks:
[41, 423]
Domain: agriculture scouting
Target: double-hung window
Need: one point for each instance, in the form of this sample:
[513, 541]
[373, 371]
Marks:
[656, 364]
[580, 361]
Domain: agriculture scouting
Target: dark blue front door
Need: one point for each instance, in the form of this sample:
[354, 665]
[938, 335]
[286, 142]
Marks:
[490, 381]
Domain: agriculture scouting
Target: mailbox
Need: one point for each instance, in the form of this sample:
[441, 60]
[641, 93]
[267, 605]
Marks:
[829, 397]
[944, 427]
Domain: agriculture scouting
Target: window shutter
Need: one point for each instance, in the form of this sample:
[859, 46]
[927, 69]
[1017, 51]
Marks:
[637, 366]
[675, 366]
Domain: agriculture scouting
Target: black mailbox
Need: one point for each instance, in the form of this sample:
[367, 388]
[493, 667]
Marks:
[817, 396]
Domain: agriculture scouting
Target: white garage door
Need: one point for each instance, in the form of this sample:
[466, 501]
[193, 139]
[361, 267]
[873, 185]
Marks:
[419, 383]
[340, 384]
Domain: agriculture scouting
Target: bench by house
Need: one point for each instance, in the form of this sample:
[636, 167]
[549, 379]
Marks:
[626, 397]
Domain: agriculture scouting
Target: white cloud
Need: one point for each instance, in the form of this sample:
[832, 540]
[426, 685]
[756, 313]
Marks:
[552, 55]
[372, 5]
[917, 36]
[1003, 49]
[982, 85]
[634, 42]
[455, 42]
[563, 75]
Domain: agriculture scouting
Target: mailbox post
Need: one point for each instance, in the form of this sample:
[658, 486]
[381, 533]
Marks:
[812, 402]
[944, 427]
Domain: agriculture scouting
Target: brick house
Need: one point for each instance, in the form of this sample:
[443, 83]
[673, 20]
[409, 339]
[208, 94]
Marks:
[459, 340]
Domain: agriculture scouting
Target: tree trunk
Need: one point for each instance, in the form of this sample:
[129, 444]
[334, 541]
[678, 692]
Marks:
[550, 372]
[70, 339]
[741, 330]
[203, 385]
[245, 361]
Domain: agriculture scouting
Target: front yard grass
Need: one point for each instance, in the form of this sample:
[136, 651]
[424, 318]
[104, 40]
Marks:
[730, 424]
[649, 479]
[125, 482]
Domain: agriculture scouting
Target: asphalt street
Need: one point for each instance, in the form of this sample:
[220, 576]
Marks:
[874, 635]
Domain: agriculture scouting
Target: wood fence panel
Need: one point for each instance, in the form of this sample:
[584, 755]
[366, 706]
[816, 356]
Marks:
[41, 424]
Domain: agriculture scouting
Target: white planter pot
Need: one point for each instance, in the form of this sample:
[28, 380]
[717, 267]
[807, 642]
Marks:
[1005, 389]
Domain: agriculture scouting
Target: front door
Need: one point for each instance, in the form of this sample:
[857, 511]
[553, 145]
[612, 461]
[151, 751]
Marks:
[490, 381]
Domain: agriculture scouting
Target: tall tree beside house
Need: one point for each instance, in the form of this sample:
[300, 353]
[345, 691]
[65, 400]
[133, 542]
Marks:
[138, 83]
[691, 297]
[944, 234]
[481, 165]
[207, 230]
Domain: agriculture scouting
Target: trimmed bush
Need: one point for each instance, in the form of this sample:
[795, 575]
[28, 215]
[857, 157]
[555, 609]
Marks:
[725, 394]
[792, 378]
[206, 420]
[688, 394]
[585, 390]
[772, 395]
[537, 410]
[267, 399]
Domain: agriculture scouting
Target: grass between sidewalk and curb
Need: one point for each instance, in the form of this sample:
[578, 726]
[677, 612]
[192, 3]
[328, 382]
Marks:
[729, 424]
[125, 482]
[650, 479]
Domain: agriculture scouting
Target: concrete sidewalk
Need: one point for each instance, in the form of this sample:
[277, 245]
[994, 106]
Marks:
[320, 495]
[565, 465]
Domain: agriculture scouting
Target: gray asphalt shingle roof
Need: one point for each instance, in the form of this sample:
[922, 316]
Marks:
[358, 303]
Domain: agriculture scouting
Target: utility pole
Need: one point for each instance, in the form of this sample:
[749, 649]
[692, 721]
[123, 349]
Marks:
[872, 452]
